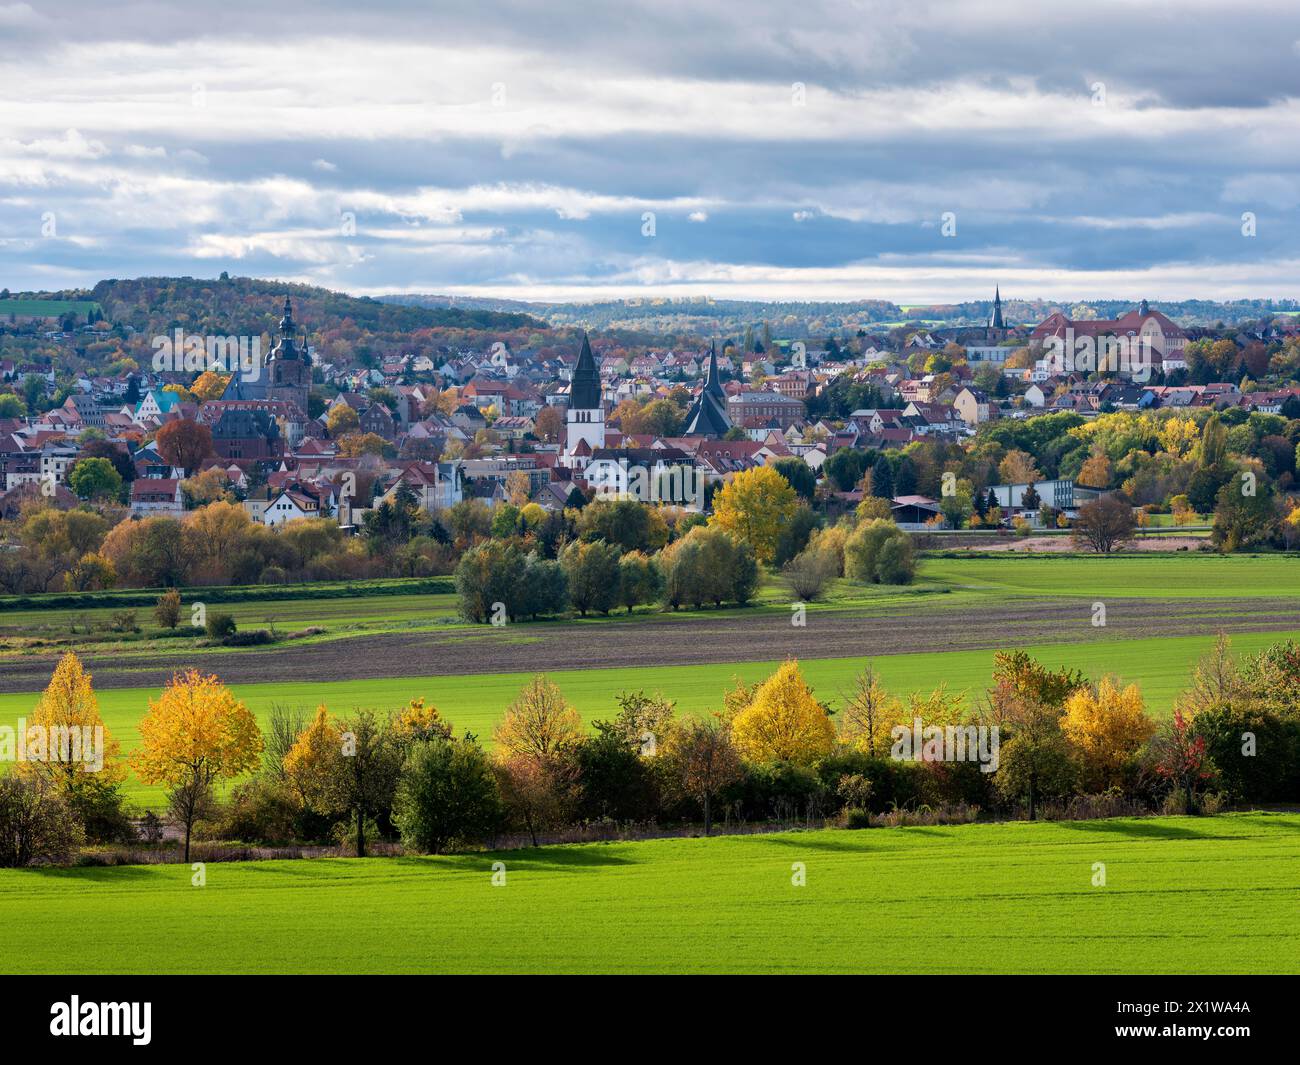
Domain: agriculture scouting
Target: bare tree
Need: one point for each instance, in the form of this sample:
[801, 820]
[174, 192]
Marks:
[1104, 524]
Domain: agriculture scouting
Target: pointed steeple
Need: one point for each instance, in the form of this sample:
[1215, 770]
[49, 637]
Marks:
[286, 323]
[584, 389]
[711, 381]
[995, 319]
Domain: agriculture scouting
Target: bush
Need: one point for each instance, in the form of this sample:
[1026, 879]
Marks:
[167, 612]
[36, 826]
[219, 626]
[879, 552]
[260, 811]
[808, 573]
[447, 796]
[248, 638]
[124, 621]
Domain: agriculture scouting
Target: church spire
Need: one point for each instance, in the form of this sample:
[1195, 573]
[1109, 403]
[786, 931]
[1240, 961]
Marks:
[584, 388]
[995, 319]
[711, 382]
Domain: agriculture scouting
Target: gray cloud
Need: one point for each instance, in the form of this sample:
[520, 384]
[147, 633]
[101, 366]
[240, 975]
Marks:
[515, 147]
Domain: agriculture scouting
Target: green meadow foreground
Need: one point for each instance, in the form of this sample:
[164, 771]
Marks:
[1181, 895]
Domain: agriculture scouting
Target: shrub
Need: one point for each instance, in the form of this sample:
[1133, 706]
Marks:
[879, 552]
[36, 826]
[168, 610]
[124, 621]
[248, 638]
[808, 573]
[219, 626]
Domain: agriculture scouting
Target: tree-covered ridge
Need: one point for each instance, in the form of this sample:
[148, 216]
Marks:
[250, 305]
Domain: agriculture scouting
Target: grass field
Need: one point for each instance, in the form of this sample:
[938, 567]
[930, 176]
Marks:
[1182, 895]
[46, 308]
[475, 703]
[941, 582]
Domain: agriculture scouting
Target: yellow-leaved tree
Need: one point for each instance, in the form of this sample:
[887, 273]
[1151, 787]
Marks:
[755, 506]
[194, 735]
[540, 723]
[309, 765]
[784, 722]
[1105, 729]
[83, 760]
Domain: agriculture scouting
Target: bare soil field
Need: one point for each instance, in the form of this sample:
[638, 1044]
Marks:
[647, 643]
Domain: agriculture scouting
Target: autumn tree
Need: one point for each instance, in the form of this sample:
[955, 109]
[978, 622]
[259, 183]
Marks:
[341, 420]
[1181, 757]
[537, 793]
[1104, 524]
[702, 761]
[1017, 467]
[194, 735]
[1106, 728]
[784, 722]
[167, 611]
[212, 534]
[91, 572]
[869, 713]
[1096, 471]
[185, 443]
[352, 767]
[754, 506]
[309, 762]
[518, 487]
[209, 385]
[549, 424]
[83, 764]
[540, 723]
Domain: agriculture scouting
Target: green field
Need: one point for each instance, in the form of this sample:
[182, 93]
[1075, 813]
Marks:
[474, 703]
[46, 308]
[1182, 895]
[942, 582]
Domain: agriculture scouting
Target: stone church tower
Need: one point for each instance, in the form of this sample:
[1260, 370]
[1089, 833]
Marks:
[288, 367]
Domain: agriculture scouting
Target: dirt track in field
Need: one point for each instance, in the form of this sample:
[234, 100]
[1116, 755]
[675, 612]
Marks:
[647, 643]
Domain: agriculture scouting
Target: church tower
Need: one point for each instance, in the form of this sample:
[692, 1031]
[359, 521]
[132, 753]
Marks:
[288, 367]
[995, 319]
[708, 414]
[584, 429]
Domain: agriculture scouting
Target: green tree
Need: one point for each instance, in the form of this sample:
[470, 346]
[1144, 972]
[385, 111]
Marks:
[94, 479]
[447, 796]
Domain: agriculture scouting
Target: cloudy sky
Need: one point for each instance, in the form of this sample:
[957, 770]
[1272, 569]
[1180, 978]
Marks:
[825, 149]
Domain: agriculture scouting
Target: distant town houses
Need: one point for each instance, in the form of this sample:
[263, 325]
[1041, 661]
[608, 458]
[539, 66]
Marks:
[309, 437]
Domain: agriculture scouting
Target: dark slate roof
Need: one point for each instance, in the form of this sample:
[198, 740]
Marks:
[708, 414]
[584, 394]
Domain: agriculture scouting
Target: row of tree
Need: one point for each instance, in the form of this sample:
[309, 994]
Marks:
[774, 751]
